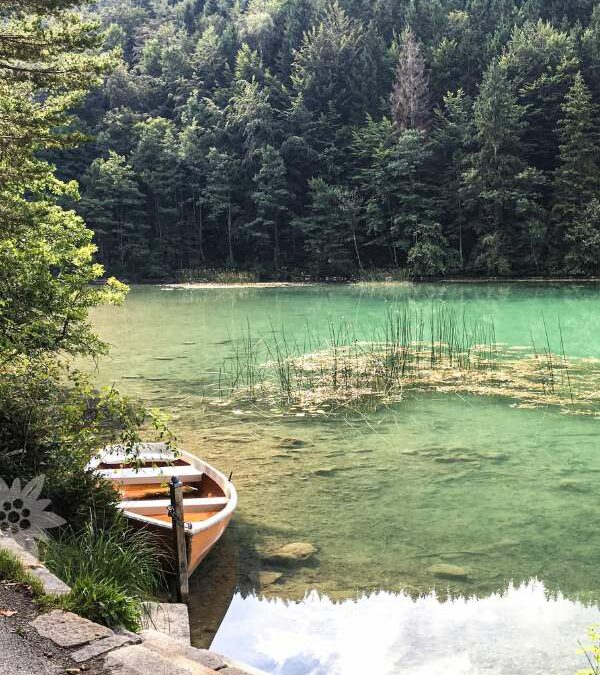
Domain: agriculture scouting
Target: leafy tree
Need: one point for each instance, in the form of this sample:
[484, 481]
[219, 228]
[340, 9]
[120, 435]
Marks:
[46, 253]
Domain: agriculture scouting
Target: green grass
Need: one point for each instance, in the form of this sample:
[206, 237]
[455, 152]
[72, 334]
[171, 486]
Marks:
[356, 368]
[12, 569]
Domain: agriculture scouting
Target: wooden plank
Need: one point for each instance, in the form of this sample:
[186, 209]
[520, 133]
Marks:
[195, 505]
[152, 474]
[144, 456]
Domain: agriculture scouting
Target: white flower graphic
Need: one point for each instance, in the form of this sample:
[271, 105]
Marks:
[23, 516]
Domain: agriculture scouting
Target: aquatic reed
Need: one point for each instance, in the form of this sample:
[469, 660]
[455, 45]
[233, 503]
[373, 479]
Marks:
[441, 349]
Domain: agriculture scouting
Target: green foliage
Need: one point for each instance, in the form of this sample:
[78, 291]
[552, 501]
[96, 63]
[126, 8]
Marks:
[501, 191]
[53, 426]
[223, 114]
[577, 178]
[48, 62]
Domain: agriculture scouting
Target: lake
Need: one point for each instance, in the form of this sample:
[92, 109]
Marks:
[505, 492]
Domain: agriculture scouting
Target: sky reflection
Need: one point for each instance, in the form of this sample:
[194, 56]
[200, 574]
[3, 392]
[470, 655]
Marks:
[522, 632]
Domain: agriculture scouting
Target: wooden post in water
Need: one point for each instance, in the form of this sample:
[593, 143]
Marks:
[179, 547]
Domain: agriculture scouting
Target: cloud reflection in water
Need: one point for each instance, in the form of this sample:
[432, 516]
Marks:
[522, 632]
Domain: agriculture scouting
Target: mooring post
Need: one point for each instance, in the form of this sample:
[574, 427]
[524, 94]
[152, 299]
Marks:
[179, 547]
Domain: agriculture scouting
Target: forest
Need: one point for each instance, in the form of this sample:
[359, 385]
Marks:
[309, 137]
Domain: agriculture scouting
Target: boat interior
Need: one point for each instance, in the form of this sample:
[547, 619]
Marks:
[144, 487]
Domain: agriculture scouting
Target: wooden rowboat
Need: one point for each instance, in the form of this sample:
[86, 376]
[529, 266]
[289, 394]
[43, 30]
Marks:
[141, 477]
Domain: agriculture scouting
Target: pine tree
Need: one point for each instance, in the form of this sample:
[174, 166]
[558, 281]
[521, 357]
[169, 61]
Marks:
[329, 228]
[271, 198]
[410, 96]
[325, 73]
[392, 182]
[500, 190]
[577, 178]
[221, 175]
[48, 62]
[583, 241]
[451, 142]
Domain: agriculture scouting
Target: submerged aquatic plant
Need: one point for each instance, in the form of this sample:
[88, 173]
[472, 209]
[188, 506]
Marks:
[442, 349]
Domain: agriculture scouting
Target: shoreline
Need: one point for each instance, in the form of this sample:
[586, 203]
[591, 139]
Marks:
[350, 282]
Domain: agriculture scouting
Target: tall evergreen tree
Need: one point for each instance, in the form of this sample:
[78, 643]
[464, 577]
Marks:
[114, 207]
[577, 178]
[451, 141]
[221, 174]
[271, 198]
[501, 191]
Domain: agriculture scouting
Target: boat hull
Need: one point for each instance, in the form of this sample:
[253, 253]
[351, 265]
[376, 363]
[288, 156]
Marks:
[209, 501]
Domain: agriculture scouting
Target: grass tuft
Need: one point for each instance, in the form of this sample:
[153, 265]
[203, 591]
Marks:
[131, 559]
[12, 569]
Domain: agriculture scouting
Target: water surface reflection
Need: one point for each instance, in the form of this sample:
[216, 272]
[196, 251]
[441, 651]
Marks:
[521, 632]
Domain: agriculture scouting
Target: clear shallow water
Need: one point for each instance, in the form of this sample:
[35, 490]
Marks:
[508, 494]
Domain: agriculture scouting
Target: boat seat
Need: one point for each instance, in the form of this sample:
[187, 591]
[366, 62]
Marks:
[143, 457]
[189, 505]
[161, 474]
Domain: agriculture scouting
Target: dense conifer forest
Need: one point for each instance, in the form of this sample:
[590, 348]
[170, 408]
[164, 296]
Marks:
[440, 137]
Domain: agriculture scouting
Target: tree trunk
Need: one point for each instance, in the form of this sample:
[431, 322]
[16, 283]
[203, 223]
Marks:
[231, 259]
[360, 267]
[275, 244]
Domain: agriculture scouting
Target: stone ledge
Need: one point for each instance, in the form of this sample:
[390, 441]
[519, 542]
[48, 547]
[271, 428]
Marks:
[172, 619]
[99, 647]
[69, 630]
[52, 584]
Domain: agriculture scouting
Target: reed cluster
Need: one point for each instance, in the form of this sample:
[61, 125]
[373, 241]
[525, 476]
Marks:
[411, 349]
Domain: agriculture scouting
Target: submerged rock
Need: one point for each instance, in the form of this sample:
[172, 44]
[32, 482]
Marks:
[294, 553]
[269, 578]
[292, 443]
[324, 471]
[451, 572]
[571, 485]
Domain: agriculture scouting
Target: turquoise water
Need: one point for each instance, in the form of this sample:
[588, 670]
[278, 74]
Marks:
[507, 494]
